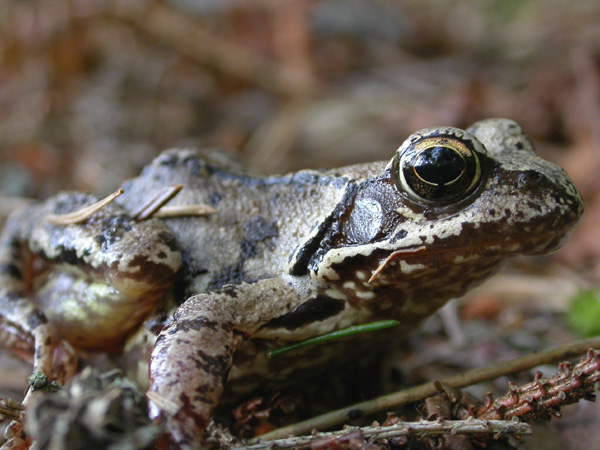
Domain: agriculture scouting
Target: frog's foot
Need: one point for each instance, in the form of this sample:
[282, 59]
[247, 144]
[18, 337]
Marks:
[10, 409]
[18, 441]
[24, 329]
[55, 360]
[54, 357]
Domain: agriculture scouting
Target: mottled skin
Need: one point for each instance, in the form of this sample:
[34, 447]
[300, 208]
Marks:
[284, 258]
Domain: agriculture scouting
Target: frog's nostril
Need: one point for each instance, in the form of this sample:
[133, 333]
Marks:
[529, 177]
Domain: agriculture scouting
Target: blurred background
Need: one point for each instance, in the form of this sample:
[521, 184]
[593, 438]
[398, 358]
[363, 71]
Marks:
[92, 90]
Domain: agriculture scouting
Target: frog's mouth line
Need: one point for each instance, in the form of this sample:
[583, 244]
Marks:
[543, 245]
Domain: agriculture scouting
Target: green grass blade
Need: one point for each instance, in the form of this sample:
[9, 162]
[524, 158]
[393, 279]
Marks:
[345, 332]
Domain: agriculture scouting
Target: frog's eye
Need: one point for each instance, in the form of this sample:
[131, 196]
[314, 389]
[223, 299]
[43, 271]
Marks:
[440, 168]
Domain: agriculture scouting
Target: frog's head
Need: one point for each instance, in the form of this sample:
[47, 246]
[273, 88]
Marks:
[447, 210]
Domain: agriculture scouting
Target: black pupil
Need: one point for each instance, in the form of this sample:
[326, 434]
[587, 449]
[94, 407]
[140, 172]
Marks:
[439, 165]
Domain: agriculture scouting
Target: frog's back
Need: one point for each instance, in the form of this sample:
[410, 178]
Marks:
[259, 221]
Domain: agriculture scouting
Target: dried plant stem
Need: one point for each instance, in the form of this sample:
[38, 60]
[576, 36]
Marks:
[157, 202]
[196, 209]
[425, 428]
[81, 215]
[418, 393]
[155, 207]
[187, 36]
[543, 398]
[10, 409]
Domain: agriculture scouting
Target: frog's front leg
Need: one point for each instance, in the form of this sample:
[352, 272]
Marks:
[24, 329]
[86, 285]
[192, 356]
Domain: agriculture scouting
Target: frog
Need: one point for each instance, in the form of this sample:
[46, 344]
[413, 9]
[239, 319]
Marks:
[279, 259]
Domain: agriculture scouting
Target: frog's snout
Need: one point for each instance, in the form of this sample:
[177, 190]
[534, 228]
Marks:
[553, 212]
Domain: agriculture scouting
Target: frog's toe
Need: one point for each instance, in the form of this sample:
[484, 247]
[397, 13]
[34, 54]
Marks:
[17, 440]
[54, 357]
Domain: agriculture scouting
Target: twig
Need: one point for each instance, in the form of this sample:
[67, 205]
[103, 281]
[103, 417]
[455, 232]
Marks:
[81, 215]
[424, 428]
[167, 405]
[395, 255]
[10, 409]
[160, 199]
[544, 397]
[418, 393]
[178, 30]
[155, 207]
[196, 209]
[271, 143]
[542, 291]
